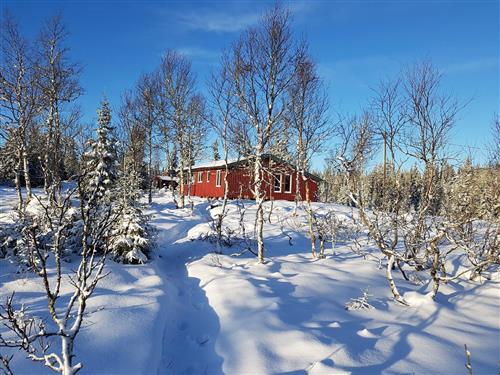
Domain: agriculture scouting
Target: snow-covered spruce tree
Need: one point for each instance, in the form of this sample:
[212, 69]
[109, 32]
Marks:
[130, 234]
[100, 171]
[215, 150]
[127, 239]
[100, 160]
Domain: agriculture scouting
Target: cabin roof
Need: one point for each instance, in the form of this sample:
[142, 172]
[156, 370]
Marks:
[216, 164]
[168, 178]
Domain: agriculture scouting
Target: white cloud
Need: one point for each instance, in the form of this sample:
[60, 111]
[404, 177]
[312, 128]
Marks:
[233, 18]
[199, 53]
[473, 65]
[218, 21]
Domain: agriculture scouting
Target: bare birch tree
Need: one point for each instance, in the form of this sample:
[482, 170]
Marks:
[60, 87]
[19, 99]
[306, 113]
[147, 112]
[177, 90]
[195, 130]
[134, 137]
[223, 105]
[262, 65]
[357, 146]
[429, 117]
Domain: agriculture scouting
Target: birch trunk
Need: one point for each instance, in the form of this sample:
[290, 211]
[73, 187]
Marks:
[392, 284]
[20, 203]
[299, 169]
[46, 159]
[259, 200]
[150, 168]
[310, 215]
[27, 179]
[190, 179]
[221, 216]
[434, 249]
[181, 186]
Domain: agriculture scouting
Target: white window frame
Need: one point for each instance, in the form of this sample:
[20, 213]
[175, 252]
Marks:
[200, 177]
[208, 176]
[274, 182]
[218, 177]
[291, 184]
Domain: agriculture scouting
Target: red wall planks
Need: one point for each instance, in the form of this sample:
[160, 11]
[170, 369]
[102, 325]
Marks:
[240, 182]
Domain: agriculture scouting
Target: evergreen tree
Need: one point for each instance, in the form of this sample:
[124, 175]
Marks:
[280, 144]
[215, 150]
[130, 235]
[101, 160]
[172, 159]
[414, 188]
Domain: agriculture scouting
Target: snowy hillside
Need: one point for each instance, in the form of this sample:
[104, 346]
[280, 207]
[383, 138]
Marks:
[190, 311]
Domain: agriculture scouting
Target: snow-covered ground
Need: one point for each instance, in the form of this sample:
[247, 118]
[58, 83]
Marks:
[189, 311]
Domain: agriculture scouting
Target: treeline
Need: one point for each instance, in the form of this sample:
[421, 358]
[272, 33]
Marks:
[479, 182]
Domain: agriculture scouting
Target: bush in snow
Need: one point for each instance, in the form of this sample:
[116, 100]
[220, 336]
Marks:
[326, 226]
[360, 303]
[12, 243]
[43, 220]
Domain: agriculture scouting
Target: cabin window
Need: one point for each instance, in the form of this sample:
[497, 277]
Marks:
[208, 176]
[200, 177]
[218, 177]
[288, 183]
[277, 183]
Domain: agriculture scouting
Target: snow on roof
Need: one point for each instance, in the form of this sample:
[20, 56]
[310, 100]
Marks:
[220, 163]
[214, 164]
[168, 178]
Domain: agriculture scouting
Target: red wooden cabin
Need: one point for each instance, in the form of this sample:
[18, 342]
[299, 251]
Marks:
[279, 180]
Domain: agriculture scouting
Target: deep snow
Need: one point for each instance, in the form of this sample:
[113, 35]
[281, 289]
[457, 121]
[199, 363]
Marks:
[189, 311]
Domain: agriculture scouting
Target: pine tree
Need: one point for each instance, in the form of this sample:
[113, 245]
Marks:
[215, 150]
[130, 235]
[280, 144]
[414, 189]
[101, 160]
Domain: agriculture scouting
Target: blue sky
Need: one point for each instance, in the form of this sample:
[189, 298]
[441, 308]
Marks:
[356, 43]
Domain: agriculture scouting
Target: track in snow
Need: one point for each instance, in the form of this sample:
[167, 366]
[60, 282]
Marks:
[191, 325]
